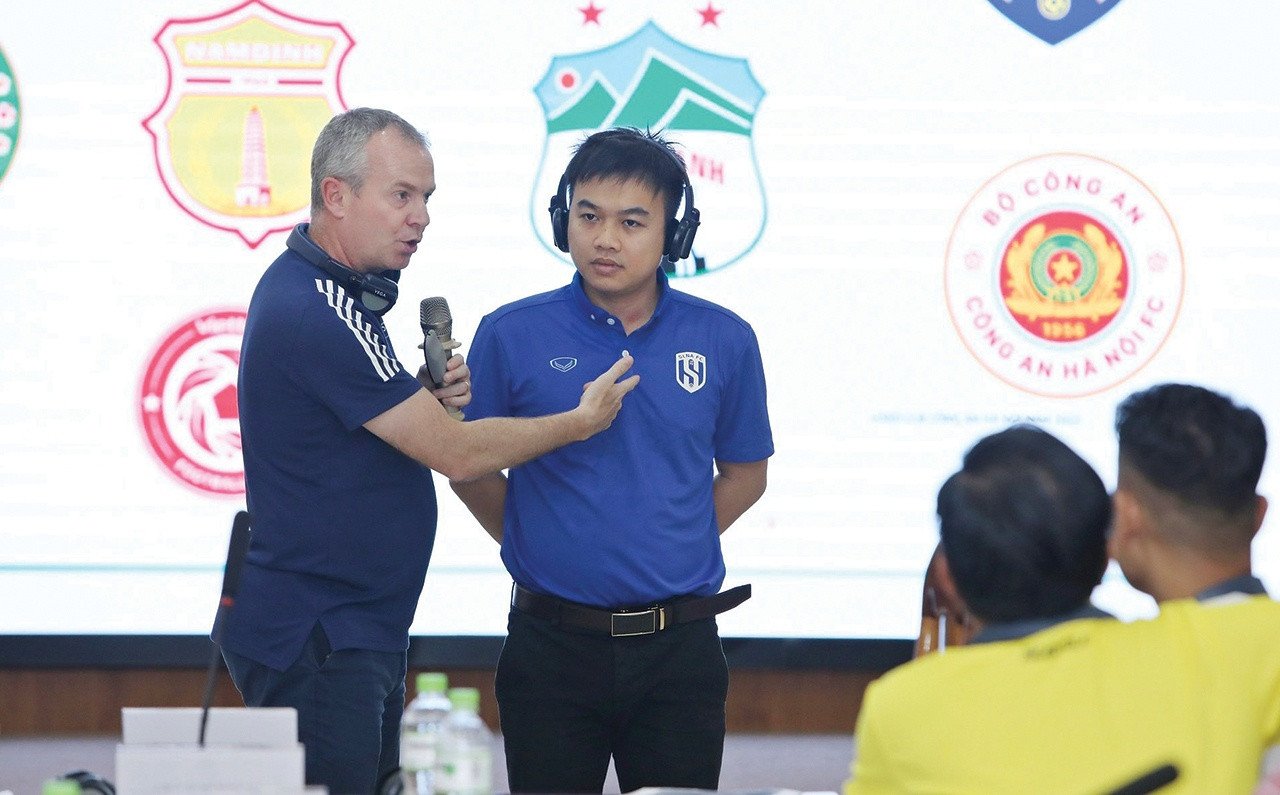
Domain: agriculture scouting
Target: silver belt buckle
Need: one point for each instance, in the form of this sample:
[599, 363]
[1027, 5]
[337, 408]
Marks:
[657, 621]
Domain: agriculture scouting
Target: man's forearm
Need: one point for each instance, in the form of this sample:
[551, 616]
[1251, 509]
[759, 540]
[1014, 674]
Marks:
[486, 498]
[736, 488]
[419, 428]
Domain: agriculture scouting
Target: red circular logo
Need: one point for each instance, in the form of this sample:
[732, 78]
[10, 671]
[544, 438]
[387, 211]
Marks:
[188, 404]
[1064, 276]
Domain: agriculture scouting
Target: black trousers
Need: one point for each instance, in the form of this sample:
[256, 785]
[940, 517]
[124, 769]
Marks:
[568, 701]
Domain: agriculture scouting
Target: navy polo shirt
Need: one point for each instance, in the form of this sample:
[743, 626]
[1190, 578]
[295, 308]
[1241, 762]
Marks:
[625, 518]
[343, 524]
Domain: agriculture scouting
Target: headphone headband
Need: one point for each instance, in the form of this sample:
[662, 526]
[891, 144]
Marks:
[376, 292]
[678, 242]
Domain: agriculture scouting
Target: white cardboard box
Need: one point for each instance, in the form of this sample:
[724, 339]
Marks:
[264, 726]
[247, 751]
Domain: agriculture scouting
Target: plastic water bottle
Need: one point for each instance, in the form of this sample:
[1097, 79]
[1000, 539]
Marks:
[421, 732]
[466, 761]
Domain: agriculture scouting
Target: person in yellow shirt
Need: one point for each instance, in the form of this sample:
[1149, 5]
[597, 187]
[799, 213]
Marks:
[1186, 501]
[1051, 695]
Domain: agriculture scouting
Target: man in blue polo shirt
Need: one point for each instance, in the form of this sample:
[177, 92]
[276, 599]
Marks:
[613, 543]
[339, 440]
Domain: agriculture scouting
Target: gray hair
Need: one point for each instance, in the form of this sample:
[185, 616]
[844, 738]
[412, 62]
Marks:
[340, 148]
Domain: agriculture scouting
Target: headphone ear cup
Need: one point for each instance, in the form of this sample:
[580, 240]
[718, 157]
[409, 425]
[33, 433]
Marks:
[681, 244]
[559, 224]
[559, 209]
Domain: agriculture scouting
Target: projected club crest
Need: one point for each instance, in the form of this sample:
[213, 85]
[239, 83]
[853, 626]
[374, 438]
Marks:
[1053, 21]
[10, 115]
[703, 102]
[249, 90]
[1064, 275]
[188, 403]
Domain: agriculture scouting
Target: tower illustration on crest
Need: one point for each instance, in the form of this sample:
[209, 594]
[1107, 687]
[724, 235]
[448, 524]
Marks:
[253, 190]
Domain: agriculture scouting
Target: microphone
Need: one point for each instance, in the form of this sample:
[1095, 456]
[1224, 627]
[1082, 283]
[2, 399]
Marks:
[1149, 781]
[437, 341]
[236, 552]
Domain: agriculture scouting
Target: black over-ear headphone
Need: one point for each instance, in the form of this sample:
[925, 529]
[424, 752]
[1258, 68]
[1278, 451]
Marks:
[679, 234]
[376, 291]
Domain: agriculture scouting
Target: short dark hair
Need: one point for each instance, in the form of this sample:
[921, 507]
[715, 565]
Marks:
[630, 153]
[339, 150]
[1195, 444]
[1024, 525]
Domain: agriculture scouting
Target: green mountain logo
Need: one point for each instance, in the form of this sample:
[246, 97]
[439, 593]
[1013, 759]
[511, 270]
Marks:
[665, 96]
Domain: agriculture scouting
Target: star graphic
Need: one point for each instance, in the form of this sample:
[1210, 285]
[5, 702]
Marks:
[710, 15]
[1064, 269]
[591, 13]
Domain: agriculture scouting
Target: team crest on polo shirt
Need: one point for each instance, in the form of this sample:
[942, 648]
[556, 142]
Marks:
[1064, 275]
[703, 102]
[188, 403]
[1053, 21]
[10, 115]
[691, 371]
[249, 89]
[564, 363]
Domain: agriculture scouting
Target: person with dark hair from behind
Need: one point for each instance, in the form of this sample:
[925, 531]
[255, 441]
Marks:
[1051, 695]
[1186, 500]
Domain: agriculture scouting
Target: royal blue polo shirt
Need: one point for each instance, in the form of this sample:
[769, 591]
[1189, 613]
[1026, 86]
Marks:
[626, 517]
[343, 524]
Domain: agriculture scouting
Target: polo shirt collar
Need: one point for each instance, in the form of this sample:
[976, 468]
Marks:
[1245, 584]
[1012, 630]
[600, 317]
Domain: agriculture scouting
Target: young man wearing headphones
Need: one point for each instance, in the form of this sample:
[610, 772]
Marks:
[613, 543]
[338, 442]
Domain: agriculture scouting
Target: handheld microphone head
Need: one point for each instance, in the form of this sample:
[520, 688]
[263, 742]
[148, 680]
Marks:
[434, 315]
[437, 340]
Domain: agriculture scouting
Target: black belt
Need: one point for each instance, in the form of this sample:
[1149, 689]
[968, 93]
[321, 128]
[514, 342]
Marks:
[626, 622]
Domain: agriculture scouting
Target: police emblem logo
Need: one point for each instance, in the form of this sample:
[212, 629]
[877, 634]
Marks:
[705, 103]
[1053, 21]
[249, 90]
[10, 115]
[188, 403]
[691, 371]
[1064, 275]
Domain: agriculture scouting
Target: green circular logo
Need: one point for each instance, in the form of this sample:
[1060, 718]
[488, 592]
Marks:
[10, 112]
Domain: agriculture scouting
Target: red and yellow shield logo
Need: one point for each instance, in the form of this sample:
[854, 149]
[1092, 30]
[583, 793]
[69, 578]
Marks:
[248, 92]
[1064, 276]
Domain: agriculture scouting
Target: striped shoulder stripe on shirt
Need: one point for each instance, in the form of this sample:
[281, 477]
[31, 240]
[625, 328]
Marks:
[343, 306]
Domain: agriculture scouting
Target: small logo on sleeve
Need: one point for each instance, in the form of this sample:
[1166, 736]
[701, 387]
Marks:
[691, 371]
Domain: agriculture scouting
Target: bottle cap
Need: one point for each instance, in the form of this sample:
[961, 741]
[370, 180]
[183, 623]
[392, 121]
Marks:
[433, 682]
[465, 698]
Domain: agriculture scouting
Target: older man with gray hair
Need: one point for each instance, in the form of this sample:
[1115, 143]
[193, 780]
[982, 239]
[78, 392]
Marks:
[339, 440]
